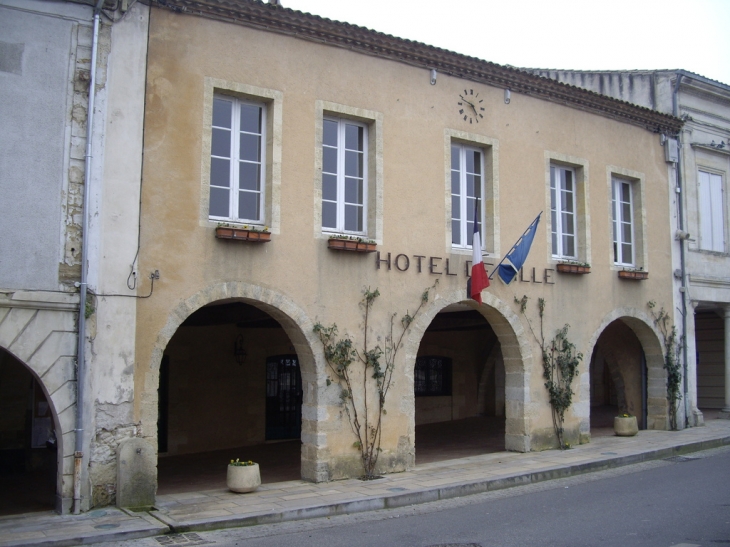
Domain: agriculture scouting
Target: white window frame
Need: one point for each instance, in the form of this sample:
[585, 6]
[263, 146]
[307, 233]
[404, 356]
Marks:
[558, 211]
[619, 220]
[340, 200]
[235, 161]
[711, 211]
[463, 220]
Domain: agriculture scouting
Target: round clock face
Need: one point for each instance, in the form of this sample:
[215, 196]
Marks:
[470, 106]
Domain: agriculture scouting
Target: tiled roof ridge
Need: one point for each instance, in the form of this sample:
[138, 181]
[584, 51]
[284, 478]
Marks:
[273, 18]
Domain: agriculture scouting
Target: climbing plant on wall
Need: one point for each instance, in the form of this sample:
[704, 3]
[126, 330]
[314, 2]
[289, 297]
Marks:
[364, 374]
[560, 362]
[672, 363]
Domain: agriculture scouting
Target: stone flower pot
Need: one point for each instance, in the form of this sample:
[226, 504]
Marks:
[625, 426]
[243, 478]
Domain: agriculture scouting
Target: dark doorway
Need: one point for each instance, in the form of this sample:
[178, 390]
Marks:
[283, 398]
[28, 462]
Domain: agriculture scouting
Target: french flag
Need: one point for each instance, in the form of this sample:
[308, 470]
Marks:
[479, 279]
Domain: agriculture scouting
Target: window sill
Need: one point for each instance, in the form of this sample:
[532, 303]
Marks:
[242, 234]
[636, 275]
[565, 267]
[357, 245]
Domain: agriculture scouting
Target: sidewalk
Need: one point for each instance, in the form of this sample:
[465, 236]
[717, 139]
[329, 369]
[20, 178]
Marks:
[293, 500]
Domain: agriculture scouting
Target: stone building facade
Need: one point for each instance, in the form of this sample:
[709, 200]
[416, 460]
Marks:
[303, 129]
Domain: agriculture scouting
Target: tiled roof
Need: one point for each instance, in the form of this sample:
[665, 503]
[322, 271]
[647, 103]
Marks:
[273, 18]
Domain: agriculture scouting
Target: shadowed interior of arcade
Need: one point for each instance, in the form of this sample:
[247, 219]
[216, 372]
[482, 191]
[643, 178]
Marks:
[459, 389]
[28, 447]
[618, 378]
[215, 405]
[229, 381]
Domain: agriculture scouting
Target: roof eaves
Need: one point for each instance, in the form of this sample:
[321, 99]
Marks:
[273, 18]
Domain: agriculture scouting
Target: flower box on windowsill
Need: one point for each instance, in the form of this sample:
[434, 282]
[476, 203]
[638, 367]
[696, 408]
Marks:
[573, 268]
[637, 275]
[242, 234]
[356, 245]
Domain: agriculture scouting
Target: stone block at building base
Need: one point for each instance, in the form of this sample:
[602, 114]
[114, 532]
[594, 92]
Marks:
[136, 474]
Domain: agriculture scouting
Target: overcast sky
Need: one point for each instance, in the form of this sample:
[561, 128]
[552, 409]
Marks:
[693, 35]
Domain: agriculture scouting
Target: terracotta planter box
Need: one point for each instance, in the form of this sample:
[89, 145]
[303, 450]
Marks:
[625, 426]
[630, 274]
[351, 245]
[243, 478]
[573, 269]
[241, 234]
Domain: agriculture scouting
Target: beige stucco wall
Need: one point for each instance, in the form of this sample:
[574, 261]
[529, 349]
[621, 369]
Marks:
[298, 280]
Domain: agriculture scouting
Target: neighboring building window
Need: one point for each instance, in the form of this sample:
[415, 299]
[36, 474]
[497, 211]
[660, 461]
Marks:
[623, 222]
[563, 211]
[467, 187]
[712, 224]
[432, 376]
[344, 176]
[237, 160]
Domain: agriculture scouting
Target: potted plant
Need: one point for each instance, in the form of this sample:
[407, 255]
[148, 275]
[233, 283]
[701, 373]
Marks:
[633, 273]
[246, 232]
[573, 267]
[625, 425]
[243, 476]
[351, 243]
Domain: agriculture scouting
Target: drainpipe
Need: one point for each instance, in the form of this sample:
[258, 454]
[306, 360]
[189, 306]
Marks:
[680, 221]
[80, 349]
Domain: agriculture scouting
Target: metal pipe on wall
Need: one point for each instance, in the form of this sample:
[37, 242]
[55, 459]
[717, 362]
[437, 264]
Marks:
[80, 348]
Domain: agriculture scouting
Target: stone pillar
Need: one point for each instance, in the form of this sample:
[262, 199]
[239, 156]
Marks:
[726, 409]
[694, 415]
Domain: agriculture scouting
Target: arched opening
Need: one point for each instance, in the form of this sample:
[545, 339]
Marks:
[28, 441]
[618, 378]
[230, 387]
[459, 387]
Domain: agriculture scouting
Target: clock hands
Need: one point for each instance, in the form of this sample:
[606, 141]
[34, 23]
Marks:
[473, 107]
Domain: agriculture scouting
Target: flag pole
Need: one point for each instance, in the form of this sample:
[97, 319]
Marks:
[515, 245]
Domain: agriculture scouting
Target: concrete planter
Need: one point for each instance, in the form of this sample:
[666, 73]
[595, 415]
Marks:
[243, 478]
[625, 426]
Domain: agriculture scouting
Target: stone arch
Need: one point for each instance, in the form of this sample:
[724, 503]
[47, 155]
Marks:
[516, 352]
[297, 326]
[652, 345]
[44, 341]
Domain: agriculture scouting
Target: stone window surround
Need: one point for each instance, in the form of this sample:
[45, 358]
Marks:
[641, 250]
[490, 200]
[273, 100]
[374, 122]
[582, 200]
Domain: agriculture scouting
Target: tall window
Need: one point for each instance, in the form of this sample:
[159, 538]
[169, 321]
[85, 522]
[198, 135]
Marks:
[623, 222]
[712, 225]
[236, 160]
[432, 376]
[344, 176]
[562, 211]
[467, 186]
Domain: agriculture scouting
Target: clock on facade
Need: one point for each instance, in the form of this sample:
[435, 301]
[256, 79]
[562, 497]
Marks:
[470, 106]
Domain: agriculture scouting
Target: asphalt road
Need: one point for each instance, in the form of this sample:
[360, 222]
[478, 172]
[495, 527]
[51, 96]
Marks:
[671, 503]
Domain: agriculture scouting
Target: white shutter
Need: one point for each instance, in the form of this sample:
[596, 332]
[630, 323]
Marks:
[718, 226]
[712, 225]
